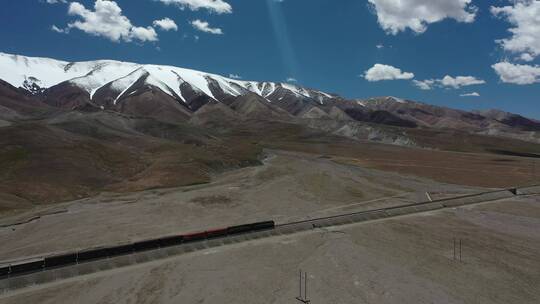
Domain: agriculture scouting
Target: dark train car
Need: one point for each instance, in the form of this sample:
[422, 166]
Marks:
[4, 271]
[120, 250]
[250, 227]
[61, 260]
[92, 254]
[146, 245]
[264, 225]
[239, 229]
[171, 241]
[194, 237]
[27, 267]
[216, 233]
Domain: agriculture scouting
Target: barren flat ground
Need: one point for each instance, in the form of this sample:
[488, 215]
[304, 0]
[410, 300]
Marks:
[479, 169]
[402, 260]
[406, 259]
[288, 187]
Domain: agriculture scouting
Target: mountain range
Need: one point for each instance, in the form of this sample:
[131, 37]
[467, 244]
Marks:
[175, 95]
[72, 129]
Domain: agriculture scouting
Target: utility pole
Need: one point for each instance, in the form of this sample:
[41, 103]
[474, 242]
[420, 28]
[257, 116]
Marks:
[454, 248]
[303, 279]
[534, 170]
[457, 249]
[460, 250]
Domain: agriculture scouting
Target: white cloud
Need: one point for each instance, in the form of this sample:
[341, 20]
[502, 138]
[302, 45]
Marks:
[473, 94]
[216, 6]
[448, 82]
[460, 81]
[379, 46]
[517, 73]
[55, 28]
[235, 76]
[107, 21]
[385, 72]
[144, 33]
[398, 15]
[55, 1]
[526, 57]
[291, 79]
[424, 84]
[204, 26]
[166, 24]
[524, 16]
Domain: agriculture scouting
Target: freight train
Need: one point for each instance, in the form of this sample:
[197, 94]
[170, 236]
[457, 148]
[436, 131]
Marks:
[67, 259]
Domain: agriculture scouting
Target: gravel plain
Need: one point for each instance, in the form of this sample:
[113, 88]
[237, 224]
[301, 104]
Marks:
[403, 260]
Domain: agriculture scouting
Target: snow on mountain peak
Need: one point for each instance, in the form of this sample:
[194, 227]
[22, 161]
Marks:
[93, 75]
[395, 99]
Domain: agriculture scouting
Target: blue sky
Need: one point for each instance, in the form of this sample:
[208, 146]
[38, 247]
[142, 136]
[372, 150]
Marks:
[323, 44]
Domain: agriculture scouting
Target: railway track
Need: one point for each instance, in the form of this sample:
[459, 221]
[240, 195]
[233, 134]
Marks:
[57, 267]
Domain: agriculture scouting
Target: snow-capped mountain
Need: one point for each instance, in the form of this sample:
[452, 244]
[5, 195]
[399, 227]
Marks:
[105, 83]
[175, 94]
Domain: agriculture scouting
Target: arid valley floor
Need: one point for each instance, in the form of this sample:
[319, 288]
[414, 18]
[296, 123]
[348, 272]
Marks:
[385, 261]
